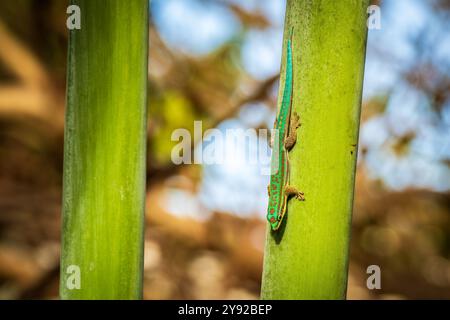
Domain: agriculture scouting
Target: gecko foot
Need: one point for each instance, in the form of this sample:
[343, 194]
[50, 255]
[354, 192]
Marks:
[294, 192]
[296, 120]
[291, 139]
[289, 142]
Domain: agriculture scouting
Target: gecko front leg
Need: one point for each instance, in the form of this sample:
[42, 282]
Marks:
[291, 139]
[293, 191]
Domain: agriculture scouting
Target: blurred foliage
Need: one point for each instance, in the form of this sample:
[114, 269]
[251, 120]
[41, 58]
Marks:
[168, 112]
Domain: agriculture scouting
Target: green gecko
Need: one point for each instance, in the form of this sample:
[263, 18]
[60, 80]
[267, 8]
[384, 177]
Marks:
[285, 137]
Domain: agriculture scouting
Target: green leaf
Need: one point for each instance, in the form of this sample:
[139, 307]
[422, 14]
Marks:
[104, 152]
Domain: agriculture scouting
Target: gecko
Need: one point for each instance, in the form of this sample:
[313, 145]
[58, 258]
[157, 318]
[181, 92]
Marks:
[284, 139]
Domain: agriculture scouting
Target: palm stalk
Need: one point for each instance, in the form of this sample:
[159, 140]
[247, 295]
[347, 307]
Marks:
[104, 152]
[308, 258]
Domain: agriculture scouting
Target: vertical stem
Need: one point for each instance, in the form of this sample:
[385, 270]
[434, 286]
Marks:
[104, 152]
[308, 258]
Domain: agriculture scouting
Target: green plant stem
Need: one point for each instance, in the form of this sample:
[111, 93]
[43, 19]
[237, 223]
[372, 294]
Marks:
[104, 151]
[308, 258]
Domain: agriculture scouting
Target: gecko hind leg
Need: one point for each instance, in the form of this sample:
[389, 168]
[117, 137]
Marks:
[291, 139]
[293, 191]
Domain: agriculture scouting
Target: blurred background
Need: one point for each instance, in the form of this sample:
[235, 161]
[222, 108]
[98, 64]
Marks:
[218, 61]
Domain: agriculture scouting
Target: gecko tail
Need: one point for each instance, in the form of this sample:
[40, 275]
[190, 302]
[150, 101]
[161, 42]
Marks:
[291, 33]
